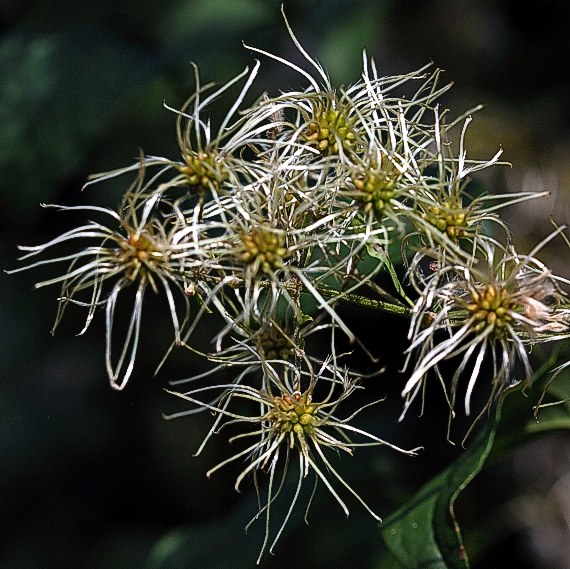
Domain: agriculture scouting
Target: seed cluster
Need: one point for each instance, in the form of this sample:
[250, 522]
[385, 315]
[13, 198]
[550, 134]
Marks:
[448, 218]
[202, 172]
[491, 307]
[294, 414]
[274, 345]
[376, 191]
[328, 129]
[138, 252]
[264, 250]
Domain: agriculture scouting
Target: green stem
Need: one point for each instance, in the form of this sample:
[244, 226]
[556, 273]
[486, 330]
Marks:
[330, 292]
[390, 307]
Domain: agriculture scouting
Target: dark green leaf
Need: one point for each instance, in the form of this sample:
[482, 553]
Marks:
[522, 421]
[425, 534]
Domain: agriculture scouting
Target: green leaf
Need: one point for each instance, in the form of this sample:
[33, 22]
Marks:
[522, 421]
[204, 545]
[424, 534]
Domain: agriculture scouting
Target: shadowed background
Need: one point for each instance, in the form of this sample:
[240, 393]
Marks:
[90, 478]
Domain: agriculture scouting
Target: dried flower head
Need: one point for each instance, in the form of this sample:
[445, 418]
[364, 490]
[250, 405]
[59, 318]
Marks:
[491, 310]
[145, 249]
[289, 424]
[211, 161]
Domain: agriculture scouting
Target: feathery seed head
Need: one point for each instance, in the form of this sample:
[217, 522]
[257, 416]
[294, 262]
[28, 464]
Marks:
[491, 307]
[202, 171]
[492, 311]
[330, 129]
[375, 189]
[263, 250]
[448, 218]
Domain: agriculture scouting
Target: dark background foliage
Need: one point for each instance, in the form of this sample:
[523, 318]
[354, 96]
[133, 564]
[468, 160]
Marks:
[90, 478]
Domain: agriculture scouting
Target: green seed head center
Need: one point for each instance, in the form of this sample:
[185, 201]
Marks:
[448, 218]
[265, 249]
[329, 128]
[202, 171]
[295, 415]
[274, 344]
[375, 191]
[491, 306]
